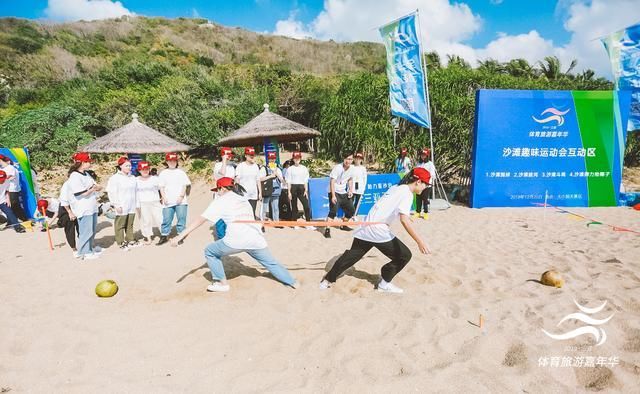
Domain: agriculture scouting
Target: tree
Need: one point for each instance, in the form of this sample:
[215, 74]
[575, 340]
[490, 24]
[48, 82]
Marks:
[551, 68]
[520, 68]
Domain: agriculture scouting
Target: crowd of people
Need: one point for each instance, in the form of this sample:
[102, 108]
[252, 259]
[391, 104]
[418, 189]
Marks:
[247, 191]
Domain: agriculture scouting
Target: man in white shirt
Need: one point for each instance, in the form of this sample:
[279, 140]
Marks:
[297, 179]
[395, 203]
[174, 186]
[248, 176]
[341, 192]
[13, 180]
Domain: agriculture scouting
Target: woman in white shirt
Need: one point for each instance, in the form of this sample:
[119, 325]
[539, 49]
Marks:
[148, 197]
[224, 167]
[121, 190]
[174, 186]
[229, 207]
[83, 190]
[402, 162]
[395, 203]
[248, 176]
[297, 180]
[359, 180]
[422, 201]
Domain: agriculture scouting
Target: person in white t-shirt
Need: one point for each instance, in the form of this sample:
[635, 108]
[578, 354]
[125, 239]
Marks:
[224, 167]
[224, 211]
[83, 190]
[248, 176]
[359, 180]
[5, 204]
[121, 189]
[66, 218]
[395, 203]
[174, 188]
[297, 179]
[402, 162]
[13, 180]
[341, 192]
[422, 202]
[148, 197]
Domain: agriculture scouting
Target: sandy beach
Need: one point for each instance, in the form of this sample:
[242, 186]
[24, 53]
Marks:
[164, 333]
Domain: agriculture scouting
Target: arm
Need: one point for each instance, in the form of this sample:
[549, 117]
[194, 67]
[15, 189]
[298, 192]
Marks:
[332, 190]
[350, 187]
[193, 226]
[112, 193]
[406, 223]
[182, 194]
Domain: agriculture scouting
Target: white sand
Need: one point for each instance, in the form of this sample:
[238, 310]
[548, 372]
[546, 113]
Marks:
[164, 333]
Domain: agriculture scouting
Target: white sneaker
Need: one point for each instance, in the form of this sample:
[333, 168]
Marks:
[296, 228]
[76, 255]
[311, 228]
[90, 256]
[97, 249]
[218, 287]
[388, 287]
[325, 284]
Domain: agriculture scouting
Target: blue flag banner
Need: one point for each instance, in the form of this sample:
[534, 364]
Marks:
[404, 70]
[623, 48]
[377, 185]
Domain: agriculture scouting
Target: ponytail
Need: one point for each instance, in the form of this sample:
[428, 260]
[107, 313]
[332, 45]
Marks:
[237, 189]
[74, 167]
[407, 179]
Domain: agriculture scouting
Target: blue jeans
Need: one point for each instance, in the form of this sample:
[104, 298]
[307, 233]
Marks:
[271, 203]
[12, 220]
[214, 251]
[167, 218]
[87, 228]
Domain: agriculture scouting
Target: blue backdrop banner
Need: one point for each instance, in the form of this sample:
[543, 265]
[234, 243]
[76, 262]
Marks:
[20, 159]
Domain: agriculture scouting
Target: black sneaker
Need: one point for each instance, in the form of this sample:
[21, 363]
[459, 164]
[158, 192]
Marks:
[163, 240]
[263, 230]
[124, 246]
[181, 242]
[327, 233]
[20, 229]
[345, 228]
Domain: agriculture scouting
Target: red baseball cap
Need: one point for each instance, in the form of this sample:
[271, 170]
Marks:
[143, 165]
[82, 157]
[421, 174]
[223, 182]
[225, 151]
[403, 151]
[297, 155]
[42, 204]
[425, 151]
[171, 156]
[122, 160]
[249, 151]
[3, 176]
[4, 158]
[271, 155]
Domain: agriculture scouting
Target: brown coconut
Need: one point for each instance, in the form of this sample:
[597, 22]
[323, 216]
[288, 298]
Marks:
[552, 278]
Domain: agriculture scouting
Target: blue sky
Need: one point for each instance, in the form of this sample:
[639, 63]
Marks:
[473, 29]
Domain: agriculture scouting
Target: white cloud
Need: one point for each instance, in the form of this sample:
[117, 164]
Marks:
[447, 24]
[73, 10]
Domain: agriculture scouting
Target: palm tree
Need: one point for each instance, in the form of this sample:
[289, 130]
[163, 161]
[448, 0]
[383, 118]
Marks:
[520, 68]
[433, 60]
[457, 61]
[491, 66]
[552, 69]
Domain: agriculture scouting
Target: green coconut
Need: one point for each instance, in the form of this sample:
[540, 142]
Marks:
[106, 288]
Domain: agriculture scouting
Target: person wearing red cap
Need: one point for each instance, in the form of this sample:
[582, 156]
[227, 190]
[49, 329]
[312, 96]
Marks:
[5, 204]
[148, 198]
[297, 182]
[422, 202]
[13, 180]
[229, 207]
[83, 190]
[248, 176]
[174, 188]
[395, 203]
[121, 190]
[359, 180]
[271, 183]
[224, 167]
[403, 162]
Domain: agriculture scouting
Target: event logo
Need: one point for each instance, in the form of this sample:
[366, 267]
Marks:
[556, 115]
[598, 333]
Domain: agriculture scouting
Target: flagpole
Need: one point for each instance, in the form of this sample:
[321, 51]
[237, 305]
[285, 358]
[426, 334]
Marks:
[427, 99]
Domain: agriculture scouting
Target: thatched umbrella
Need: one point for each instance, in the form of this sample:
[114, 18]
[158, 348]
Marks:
[270, 126]
[135, 137]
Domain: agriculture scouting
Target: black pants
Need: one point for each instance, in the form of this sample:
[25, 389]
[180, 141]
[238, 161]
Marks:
[423, 200]
[254, 204]
[297, 193]
[356, 201]
[398, 252]
[16, 207]
[284, 205]
[70, 227]
[344, 202]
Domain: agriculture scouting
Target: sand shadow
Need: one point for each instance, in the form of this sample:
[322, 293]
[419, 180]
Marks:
[534, 280]
[233, 268]
[353, 272]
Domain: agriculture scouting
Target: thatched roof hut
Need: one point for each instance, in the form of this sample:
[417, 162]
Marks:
[135, 137]
[268, 125]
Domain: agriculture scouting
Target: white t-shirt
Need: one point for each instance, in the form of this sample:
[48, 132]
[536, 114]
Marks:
[53, 205]
[4, 187]
[297, 175]
[403, 164]
[173, 180]
[342, 177]
[148, 189]
[229, 172]
[121, 189]
[431, 168]
[14, 184]
[230, 207]
[81, 205]
[64, 194]
[247, 175]
[359, 179]
[397, 200]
